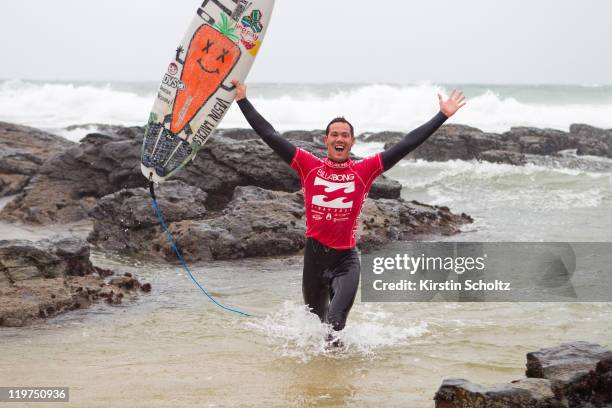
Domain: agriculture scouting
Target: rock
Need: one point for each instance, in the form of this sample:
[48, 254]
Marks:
[72, 177]
[124, 218]
[48, 201]
[133, 208]
[22, 152]
[590, 140]
[460, 142]
[125, 282]
[455, 142]
[45, 278]
[256, 222]
[101, 164]
[501, 156]
[69, 184]
[259, 222]
[312, 136]
[385, 137]
[386, 220]
[576, 370]
[228, 165]
[577, 374]
[31, 299]
[603, 386]
[539, 141]
[22, 260]
[529, 392]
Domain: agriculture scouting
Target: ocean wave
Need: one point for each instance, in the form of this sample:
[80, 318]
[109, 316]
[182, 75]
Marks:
[371, 107]
[531, 188]
[58, 105]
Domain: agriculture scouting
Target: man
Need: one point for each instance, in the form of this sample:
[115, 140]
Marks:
[335, 189]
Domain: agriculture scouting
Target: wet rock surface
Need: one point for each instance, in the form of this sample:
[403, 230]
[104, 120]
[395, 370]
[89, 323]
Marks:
[23, 150]
[69, 183]
[258, 222]
[385, 220]
[126, 221]
[460, 142]
[45, 278]
[577, 374]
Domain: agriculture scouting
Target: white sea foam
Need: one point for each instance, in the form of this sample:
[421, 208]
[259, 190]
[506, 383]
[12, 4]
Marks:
[401, 108]
[530, 187]
[372, 107]
[57, 105]
[297, 333]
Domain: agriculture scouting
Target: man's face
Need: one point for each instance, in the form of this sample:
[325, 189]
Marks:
[339, 142]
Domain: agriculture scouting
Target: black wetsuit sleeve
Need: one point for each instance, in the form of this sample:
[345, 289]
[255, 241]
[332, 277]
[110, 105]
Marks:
[411, 141]
[264, 129]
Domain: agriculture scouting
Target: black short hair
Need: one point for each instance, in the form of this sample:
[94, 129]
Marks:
[340, 119]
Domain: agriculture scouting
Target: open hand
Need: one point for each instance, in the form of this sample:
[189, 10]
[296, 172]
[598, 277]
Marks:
[240, 89]
[455, 101]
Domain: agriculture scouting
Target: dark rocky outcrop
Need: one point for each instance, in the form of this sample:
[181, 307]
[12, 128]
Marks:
[69, 183]
[462, 142]
[504, 156]
[256, 222]
[590, 140]
[577, 374]
[45, 278]
[452, 142]
[385, 220]
[315, 136]
[23, 150]
[385, 136]
[528, 392]
[126, 222]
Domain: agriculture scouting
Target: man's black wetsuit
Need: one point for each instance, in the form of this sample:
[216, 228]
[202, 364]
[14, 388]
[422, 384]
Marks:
[334, 194]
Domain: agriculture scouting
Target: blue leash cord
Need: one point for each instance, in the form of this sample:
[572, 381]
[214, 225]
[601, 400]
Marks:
[180, 257]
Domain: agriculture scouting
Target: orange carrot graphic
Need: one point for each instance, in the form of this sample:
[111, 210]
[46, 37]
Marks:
[210, 58]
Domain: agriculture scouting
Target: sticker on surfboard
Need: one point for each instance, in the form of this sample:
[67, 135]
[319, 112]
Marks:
[220, 45]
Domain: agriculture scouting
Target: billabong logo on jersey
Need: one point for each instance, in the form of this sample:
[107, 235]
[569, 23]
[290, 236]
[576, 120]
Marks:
[321, 200]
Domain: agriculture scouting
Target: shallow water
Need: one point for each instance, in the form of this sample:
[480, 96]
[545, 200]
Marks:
[174, 348]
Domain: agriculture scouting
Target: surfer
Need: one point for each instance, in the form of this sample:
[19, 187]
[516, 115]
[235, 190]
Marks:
[335, 189]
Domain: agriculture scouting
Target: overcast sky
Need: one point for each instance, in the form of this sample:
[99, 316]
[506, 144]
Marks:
[443, 41]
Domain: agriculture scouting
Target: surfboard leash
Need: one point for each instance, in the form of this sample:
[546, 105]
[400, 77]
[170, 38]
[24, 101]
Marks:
[162, 221]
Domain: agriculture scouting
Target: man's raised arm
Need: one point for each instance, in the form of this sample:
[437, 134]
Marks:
[412, 140]
[262, 127]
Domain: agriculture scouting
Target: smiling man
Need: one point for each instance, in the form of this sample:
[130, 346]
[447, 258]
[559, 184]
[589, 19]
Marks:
[335, 188]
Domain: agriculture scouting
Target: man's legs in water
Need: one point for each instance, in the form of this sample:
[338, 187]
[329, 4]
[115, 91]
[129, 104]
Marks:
[314, 287]
[330, 282]
[344, 281]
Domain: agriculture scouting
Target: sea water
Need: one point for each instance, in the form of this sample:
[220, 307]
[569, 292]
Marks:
[370, 106]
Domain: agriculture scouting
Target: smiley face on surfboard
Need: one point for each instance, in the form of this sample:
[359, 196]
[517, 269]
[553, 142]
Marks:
[220, 45]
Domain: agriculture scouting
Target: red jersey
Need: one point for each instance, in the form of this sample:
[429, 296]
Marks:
[334, 194]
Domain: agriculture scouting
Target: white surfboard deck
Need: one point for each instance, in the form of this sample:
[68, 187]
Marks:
[219, 46]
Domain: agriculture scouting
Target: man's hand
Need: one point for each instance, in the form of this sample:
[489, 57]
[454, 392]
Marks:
[240, 90]
[455, 101]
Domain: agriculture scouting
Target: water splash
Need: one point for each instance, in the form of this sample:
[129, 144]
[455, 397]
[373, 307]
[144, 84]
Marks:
[296, 333]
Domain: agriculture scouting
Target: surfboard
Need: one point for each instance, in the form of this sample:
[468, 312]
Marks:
[220, 45]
